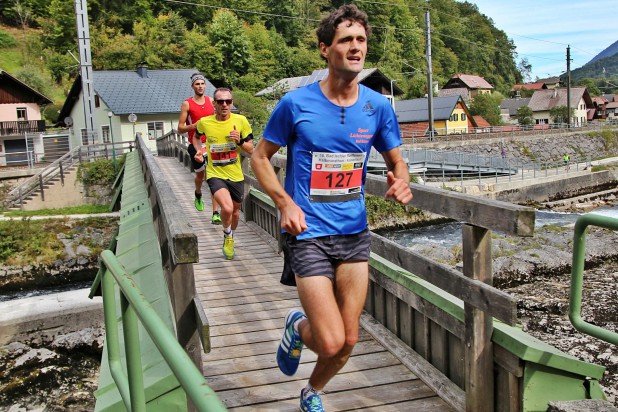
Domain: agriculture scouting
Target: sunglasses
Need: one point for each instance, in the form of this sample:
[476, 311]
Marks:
[226, 101]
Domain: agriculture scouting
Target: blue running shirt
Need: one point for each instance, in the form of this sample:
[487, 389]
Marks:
[328, 147]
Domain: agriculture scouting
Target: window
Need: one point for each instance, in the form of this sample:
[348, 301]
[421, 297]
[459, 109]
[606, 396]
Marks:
[155, 130]
[97, 101]
[22, 114]
[455, 117]
[463, 117]
[84, 136]
[105, 134]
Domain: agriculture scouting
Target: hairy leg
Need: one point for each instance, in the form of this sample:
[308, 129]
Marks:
[333, 312]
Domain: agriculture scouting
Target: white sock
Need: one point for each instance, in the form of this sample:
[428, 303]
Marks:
[296, 325]
[309, 391]
[227, 231]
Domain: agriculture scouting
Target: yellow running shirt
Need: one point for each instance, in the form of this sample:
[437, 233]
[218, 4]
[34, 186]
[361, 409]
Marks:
[223, 154]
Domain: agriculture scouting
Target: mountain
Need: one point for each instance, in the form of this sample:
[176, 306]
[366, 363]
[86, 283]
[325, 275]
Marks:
[603, 66]
[608, 52]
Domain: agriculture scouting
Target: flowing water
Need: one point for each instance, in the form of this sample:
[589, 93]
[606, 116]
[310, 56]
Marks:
[449, 234]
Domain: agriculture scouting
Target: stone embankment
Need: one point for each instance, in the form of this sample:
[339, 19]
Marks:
[51, 345]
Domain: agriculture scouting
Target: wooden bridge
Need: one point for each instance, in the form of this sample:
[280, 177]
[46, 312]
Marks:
[433, 339]
[246, 305]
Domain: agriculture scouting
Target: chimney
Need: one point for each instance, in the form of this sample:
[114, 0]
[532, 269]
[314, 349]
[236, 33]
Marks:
[142, 70]
[555, 93]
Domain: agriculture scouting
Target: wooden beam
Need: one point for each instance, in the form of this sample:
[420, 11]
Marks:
[480, 295]
[491, 214]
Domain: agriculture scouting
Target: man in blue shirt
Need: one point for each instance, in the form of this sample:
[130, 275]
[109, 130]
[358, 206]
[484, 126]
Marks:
[329, 128]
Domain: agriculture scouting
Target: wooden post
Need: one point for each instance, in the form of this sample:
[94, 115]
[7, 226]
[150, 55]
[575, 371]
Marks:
[478, 325]
[61, 174]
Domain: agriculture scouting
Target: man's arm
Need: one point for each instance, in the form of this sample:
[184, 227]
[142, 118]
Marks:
[247, 145]
[292, 217]
[398, 177]
[182, 119]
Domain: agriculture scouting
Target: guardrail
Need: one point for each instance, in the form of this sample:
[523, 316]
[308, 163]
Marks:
[136, 307]
[153, 270]
[577, 276]
[57, 169]
[443, 135]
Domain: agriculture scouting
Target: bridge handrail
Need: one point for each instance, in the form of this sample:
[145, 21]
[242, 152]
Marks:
[179, 249]
[57, 168]
[577, 275]
[135, 306]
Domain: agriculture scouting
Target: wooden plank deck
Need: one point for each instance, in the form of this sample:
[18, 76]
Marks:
[246, 305]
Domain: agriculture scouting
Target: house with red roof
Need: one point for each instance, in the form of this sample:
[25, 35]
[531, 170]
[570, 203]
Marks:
[467, 86]
[516, 90]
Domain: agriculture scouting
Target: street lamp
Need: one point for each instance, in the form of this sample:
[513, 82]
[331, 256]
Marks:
[111, 132]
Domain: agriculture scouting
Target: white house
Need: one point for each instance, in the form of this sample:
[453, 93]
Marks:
[141, 101]
[542, 101]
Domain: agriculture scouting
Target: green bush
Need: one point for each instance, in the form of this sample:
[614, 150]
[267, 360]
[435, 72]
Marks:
[99, 172]
[6, 40]
[28, 242]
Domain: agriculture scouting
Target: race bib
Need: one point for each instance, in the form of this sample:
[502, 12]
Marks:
[336, 177]
[223, 154]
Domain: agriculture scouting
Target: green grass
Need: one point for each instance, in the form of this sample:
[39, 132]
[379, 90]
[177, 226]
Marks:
[72, 210]
[10, 60]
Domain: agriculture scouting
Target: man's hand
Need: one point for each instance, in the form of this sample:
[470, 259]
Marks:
[235, 135]
[398, 189]
[293, 219]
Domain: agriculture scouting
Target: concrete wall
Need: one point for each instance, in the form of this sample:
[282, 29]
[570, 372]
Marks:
[72, 193]
[548, 191]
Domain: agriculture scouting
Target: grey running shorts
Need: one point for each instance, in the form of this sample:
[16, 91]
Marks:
[318, 256]
[236, 189]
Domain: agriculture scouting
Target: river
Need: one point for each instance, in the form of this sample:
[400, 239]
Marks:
[449, 234]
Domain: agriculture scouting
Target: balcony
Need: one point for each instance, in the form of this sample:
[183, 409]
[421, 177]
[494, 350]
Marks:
[21, 126]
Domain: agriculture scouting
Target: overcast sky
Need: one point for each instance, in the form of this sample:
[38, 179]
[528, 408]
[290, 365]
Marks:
[542, 29]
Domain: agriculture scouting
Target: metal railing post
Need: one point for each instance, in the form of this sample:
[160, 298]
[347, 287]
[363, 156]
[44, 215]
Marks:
[133, 356]
[41, 187]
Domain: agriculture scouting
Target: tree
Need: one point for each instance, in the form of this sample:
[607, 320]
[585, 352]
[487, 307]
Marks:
[591, 85]
[488, 106]
[525, 68]
[228, 34]
[559, 114]
[525, 116]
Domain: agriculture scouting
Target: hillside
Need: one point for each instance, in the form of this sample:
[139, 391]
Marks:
[608, 52]
[603, 69]
[258, 43]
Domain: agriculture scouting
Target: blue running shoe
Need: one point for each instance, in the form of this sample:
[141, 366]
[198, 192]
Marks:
[288, 354]
[312, 404]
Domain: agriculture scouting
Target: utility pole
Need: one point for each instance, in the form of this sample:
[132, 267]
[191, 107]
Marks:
[429, 75]
[85, 67]
[568, 62]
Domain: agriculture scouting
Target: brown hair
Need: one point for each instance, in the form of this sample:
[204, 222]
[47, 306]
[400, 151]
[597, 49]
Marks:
[347, 12]
[221, 89]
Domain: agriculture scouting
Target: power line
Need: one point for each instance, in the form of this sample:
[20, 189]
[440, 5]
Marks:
[398, 29]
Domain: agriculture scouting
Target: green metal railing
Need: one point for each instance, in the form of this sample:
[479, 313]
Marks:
[577, 275]
[135, 308]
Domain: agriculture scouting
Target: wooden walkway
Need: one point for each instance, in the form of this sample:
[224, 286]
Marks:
[246, 305]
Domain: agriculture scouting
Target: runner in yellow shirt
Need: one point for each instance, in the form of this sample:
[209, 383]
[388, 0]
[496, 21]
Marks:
[226, 133]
